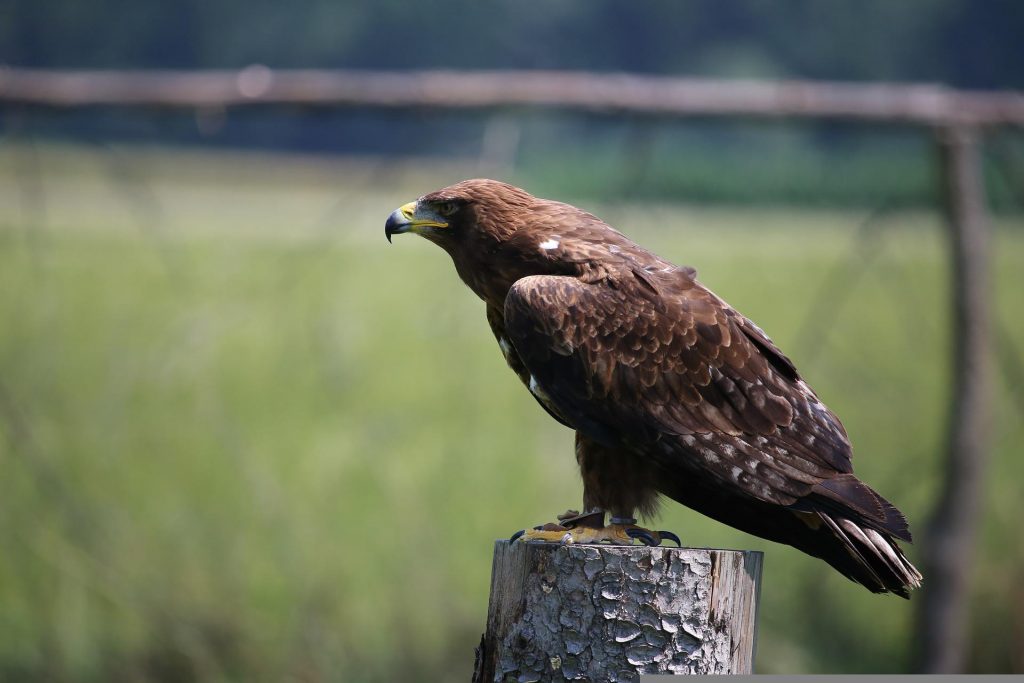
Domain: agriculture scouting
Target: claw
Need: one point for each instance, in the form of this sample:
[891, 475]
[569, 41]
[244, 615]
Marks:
[589, 529]
[668, 535]
[643, 536]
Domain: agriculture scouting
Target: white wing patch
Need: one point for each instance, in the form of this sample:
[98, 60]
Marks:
[539, 393]
[545, 400]
[550, 243]
[506, 350]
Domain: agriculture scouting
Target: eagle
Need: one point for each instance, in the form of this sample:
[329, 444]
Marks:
[670, 390]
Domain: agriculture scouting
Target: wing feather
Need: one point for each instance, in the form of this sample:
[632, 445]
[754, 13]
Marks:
[661, 365]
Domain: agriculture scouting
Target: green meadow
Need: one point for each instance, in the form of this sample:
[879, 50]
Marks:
[244, 438]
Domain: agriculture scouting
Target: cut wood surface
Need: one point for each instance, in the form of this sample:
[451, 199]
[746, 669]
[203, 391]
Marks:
[611, 613]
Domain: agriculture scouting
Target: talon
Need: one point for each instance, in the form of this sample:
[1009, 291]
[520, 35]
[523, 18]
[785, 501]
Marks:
[644, 536]
[549, 533]
[589, 529]
[668, 535]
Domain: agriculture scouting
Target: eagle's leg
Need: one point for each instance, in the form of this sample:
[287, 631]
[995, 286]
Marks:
[590, 528]
[618, 481]
[615, 481]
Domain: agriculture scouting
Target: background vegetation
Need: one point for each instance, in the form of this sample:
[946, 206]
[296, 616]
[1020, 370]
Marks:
[959, 42]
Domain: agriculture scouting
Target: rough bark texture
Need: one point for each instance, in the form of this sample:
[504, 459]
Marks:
[944, 615]
[611, 613]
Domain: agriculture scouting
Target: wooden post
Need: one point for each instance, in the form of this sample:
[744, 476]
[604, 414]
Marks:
[943, 614]
[610, 613]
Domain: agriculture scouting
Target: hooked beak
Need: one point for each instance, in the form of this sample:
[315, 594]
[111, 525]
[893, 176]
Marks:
[410, 218]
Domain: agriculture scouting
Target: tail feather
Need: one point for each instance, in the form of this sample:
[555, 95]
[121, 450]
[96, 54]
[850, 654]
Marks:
[895, 554]
[854, 550]
[866, 525]
[849, 496]
[878, 563]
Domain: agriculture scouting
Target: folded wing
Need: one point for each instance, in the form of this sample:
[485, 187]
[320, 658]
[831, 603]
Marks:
[655, 363]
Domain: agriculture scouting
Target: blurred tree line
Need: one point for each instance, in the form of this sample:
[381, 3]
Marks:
[962, 43]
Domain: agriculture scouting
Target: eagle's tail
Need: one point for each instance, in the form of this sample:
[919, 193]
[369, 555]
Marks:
[875, 560]
[866, 526]
[842, 521]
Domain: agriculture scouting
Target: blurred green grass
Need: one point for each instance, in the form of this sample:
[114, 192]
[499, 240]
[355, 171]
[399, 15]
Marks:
[245, 439]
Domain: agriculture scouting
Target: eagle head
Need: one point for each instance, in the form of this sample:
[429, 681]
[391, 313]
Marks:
[494, 232]
[461, 214]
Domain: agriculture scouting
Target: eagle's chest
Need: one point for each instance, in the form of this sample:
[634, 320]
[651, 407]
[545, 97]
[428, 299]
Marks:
[490, 283]
[490, 267]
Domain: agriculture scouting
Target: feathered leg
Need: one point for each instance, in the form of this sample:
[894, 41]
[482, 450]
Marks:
[613, 481]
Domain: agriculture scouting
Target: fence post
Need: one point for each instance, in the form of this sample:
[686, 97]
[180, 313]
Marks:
[943, 615]
[610, 613]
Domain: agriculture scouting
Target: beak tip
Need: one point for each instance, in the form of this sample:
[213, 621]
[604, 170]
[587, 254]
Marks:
[396, 224]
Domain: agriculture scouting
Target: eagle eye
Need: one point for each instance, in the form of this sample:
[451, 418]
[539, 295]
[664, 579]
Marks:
[446, 208]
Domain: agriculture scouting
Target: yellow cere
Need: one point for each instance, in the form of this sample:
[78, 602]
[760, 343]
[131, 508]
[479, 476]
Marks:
[424, 218]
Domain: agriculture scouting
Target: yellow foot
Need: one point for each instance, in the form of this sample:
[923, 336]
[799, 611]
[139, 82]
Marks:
[590, 529]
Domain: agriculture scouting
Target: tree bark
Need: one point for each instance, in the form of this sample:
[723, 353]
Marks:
[611, 613]
[943, 615]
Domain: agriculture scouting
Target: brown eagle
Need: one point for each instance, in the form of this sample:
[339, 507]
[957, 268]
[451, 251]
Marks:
[670, 390]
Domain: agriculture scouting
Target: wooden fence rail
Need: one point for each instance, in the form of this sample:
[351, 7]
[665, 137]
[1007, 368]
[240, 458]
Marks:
[651, 95]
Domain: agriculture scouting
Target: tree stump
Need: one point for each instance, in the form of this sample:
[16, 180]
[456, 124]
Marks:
[611, 613]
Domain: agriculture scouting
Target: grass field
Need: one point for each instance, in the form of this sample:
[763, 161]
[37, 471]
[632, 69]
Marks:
[246, 439]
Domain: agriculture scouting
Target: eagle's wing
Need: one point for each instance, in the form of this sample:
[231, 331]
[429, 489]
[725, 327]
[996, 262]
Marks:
[654, 362]
[496, 320]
